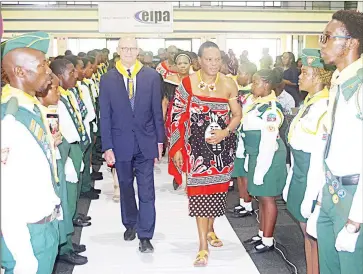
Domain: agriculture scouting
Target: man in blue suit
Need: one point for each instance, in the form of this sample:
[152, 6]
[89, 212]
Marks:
[132, 133]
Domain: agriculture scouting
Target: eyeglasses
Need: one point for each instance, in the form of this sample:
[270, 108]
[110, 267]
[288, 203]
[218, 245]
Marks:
[128, 49]
[323, 38]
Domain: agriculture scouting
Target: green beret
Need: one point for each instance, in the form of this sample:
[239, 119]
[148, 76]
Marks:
[35, 40]
[312, 58]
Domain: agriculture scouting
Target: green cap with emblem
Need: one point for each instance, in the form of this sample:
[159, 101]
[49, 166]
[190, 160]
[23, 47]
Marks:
[312, 58]
[35, 40]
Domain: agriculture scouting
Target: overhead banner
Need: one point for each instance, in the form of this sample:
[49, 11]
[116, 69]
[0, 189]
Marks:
[132, 17]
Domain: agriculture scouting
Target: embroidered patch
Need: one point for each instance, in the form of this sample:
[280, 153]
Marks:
[342, 193]
[331, 190]
[310, 60]
[271, 128]
[4, 155]
[335, 184]
[271, 117]
[324, 137]
[328, 174]
[335, 199]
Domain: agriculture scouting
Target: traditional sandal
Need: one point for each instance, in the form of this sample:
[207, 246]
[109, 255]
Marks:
[202, 259]
[213, 240]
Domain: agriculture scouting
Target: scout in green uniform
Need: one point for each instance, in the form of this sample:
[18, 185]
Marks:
[244, 81]
[265, 154]
[97, 159]
[339, 214]
[66, 251]
[82, 94]
[73, 128]
[30, 234]
[307, 139]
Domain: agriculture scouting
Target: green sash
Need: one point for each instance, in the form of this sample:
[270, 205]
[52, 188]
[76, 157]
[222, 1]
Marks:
[35, 126]
[80, 102]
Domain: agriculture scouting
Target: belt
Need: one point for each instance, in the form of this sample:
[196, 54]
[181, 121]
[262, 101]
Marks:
[50, 217]
[348, 180]
[75, 143]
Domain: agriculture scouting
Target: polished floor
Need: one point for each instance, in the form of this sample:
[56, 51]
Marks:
[175, 240]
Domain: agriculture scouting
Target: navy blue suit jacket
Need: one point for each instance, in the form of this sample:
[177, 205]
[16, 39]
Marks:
[120, 124]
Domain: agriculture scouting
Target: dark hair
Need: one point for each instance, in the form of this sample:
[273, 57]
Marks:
[68, 52]
[85, 61]
[279, 73]
[105, 50]
[59, 57]
[59, 66]
[353, 23]
[193, 55]
[271, 76]
[248, 67]
[182, 53]
[206, 45]
[92, 55]
[82, 54]
[73, 59]
[292, 58]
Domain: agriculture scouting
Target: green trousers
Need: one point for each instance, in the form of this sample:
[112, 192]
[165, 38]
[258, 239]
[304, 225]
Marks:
[44, 240]
[336, 204]
[85, 183]
[72, 195]
[76, 155]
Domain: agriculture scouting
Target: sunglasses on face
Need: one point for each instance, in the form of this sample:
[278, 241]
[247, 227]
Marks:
[323, 38]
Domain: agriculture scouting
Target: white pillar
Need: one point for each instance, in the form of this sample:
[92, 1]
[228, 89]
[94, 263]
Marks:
[62, 44]
[222, 42]
[360, 6]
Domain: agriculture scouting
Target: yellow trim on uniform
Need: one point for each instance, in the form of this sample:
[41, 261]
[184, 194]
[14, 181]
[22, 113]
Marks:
[309, 100]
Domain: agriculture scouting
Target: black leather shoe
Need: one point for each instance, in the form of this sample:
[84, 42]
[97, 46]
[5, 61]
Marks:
[242, 214]
[78, 222]
[230, 188]
[236, 209]
[73, 258]
[145, 246]
[130, 234]
[96, 176]
[255, 240]
[264, 249]
[96, 190]
[84, 217]
[78, 248]
[90, 195]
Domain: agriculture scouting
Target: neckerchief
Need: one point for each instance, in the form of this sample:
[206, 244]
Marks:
[121, 69]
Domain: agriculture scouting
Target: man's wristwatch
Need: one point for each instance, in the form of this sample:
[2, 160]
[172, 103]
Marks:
[351, 228]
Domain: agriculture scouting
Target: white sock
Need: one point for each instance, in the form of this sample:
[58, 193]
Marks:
[241, 202]
[268, 241]
[230, 183]
[248, 206]
[260, 233]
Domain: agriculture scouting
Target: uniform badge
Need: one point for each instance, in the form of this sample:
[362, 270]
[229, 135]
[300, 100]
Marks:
[324, 137]
[335, 199]
[328, 174]
[331, 190]
[271, 128]
[4, 155]
[271, 117]
[310, 60]
[342, 193]
[335, 184]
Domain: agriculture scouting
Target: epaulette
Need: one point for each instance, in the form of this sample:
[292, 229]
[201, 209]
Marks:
[11, 107]
[262, 109]
[351, 86]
